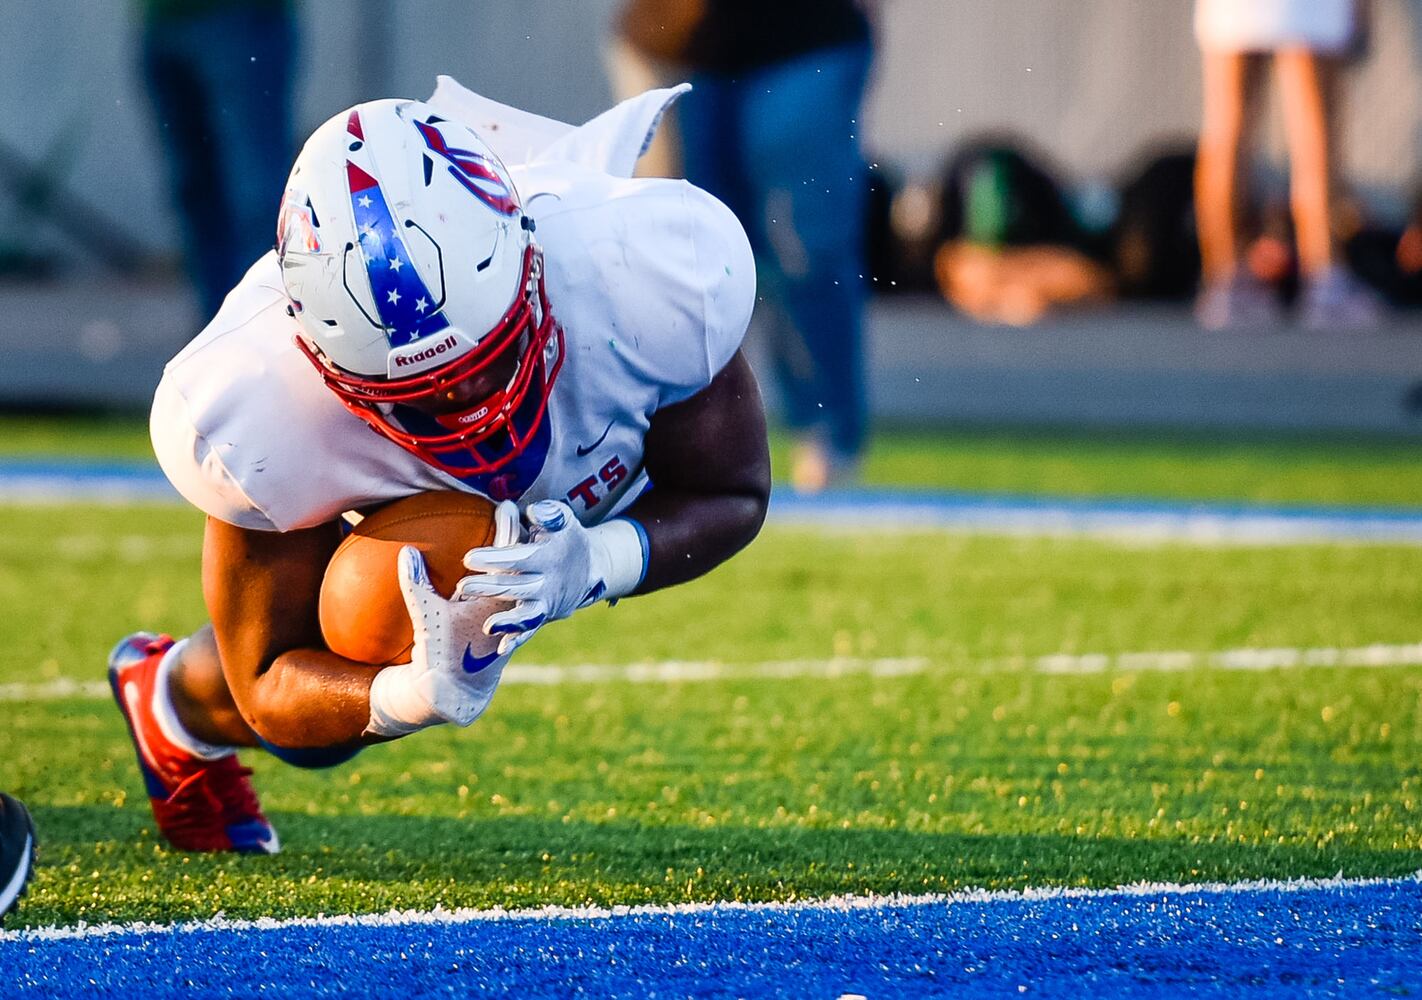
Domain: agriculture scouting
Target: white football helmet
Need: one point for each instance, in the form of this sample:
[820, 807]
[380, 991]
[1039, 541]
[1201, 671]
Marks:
[412, 271]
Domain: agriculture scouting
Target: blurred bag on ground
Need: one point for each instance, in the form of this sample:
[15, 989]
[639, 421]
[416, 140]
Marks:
[1385, 258]
[1154, 249]
[997, 195]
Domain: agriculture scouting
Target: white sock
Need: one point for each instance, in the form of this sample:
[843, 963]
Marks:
[397, 705]
[167, 714]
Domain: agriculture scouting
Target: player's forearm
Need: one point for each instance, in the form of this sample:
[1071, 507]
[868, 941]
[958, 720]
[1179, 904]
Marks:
[690, 534]
[262, 590]
[311, 698]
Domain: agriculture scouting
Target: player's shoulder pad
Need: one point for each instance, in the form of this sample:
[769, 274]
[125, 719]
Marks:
[201, 422]
[196, 468]
[660, 264]
[727, 268]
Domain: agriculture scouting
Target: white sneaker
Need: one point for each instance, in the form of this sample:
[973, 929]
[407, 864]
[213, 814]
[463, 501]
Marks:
[1238, 301]
[1336, 300]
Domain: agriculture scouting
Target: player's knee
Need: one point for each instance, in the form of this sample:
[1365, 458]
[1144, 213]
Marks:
[285, 731]
[273, 719]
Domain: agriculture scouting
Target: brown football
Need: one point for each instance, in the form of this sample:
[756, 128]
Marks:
[362, 612]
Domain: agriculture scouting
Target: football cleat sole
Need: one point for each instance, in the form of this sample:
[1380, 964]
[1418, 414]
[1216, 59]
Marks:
[17, 852]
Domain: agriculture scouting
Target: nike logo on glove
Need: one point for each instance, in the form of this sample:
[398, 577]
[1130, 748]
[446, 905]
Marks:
[597, 590]
[585, 451]
[473, 664]
[514, 628]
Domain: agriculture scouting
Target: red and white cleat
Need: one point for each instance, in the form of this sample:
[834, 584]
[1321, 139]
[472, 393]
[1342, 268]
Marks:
[200, 805]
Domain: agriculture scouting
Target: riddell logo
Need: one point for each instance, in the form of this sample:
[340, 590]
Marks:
[423, 355]
[434, 350]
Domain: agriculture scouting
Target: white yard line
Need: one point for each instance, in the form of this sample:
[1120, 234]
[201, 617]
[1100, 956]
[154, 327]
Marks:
[690, 671]
[406, 918]
[59, 689]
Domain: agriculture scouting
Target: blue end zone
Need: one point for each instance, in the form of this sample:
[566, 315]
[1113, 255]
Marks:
[1270, 942]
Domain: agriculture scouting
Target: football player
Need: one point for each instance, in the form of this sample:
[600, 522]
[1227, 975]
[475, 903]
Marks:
[463, 296]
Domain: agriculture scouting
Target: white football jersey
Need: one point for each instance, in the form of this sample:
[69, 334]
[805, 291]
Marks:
[652, 280]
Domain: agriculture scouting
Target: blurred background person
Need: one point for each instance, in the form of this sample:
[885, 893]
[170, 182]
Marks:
[1307, 43]
[649, 39]
[219, 74]
[772, 129]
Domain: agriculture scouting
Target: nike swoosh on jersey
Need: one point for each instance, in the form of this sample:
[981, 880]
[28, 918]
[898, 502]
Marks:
[473, 664]
[585, 451]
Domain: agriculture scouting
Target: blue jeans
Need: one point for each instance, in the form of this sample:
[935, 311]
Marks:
[780, 146]
[221, 90]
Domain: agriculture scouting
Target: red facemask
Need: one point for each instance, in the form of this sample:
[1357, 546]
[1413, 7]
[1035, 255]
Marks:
[529, 323]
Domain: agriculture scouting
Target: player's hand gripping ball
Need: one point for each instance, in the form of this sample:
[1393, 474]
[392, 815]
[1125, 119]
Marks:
[362, 612]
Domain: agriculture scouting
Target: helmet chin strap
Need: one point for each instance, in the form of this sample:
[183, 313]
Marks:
[477, 412]
[462, 455]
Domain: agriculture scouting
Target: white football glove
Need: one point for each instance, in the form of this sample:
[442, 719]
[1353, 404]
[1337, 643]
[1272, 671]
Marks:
[560, 568]
[454, 666]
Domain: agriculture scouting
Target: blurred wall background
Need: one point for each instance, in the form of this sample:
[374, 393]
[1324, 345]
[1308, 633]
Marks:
[75, 110]
[1095, 81]
[1090, 82]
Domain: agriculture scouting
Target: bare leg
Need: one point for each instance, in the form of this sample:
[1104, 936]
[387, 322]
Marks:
[1230, 86]
[1307, 83]
[201, 697]
[1333, 299]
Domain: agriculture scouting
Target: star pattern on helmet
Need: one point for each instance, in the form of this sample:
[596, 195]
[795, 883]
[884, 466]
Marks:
[405, 307]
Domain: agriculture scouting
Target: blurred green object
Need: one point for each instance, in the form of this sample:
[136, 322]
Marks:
[988, 215]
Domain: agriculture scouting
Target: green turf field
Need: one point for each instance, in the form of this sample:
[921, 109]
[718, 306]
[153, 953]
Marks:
[977, 772]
